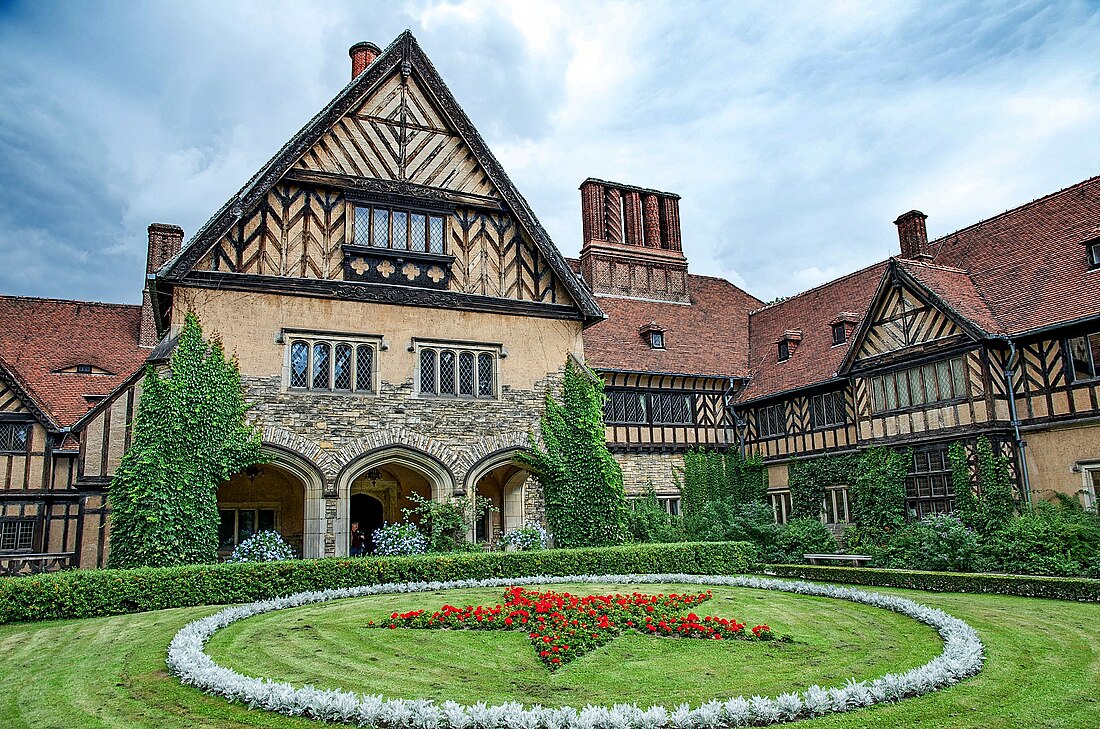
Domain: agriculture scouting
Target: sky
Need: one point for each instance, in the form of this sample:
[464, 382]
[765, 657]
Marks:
[795, 132]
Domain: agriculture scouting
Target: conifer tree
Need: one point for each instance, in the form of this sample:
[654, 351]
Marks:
[189, 437]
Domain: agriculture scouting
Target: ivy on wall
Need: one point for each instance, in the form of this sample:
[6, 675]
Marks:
[878, 490]
[808, 480]
[189, 437]
[966, 503]
[711, 476]
[581, 481]
[992, 504]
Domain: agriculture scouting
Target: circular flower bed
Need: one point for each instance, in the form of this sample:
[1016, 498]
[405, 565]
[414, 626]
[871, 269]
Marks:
[962, 656]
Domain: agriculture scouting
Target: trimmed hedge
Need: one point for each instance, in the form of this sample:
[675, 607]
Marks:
[1080, 589]
[91, 593]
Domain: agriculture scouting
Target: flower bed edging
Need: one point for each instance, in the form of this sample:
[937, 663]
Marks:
[962, 656]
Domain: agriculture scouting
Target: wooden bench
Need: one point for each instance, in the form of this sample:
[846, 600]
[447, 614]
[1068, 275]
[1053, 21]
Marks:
[854, 560]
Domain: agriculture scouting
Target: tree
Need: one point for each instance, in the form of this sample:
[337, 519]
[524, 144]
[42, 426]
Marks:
[582, 483]
[189, 437]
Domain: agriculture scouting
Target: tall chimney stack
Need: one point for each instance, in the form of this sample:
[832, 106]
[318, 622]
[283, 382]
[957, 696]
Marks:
[165, 241]
[913, 236]
[632, 242]
[362, 55]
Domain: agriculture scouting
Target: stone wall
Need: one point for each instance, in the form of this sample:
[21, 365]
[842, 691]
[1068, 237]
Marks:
[642, 470]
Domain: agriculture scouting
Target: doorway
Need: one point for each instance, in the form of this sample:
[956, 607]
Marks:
[367, 511]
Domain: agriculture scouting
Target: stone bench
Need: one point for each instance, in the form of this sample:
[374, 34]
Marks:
[853, 560]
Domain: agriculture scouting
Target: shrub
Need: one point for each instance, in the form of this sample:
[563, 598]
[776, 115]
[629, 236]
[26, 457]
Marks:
[941, 543]
[89, 593]
[582, 483]
[446, 522]
[399, 539]
[649, 523]
[527, 537]
[1055, 540]
[1056, 588]
[804, 536]
[265, 546]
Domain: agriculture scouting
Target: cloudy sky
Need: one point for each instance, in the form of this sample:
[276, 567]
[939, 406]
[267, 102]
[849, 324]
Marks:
[795, 132]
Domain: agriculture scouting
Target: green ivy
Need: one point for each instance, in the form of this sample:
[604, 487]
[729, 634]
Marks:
[996, 505]
[878, 492]
[966, 504]
[710, 476]
[808, 480]
[189, 438]
[582, 483]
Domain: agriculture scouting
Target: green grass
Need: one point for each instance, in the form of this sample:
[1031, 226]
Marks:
[1043, 665]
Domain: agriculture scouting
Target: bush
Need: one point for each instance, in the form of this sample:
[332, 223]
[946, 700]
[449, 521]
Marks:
[399, 539]
[804, 536]
[446, 523]
[89, 593]
[529, 536]
[1055, 588]
[1056, 540]
[939, 543]
[265, 546]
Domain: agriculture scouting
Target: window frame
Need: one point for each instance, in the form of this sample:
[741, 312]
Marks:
[840, 328]
[919, 476]
[391, 210]
[20, 525]
[9, 440]
[839, 405]
[1090, 350]
[780, 501]
[923, 385]
[438, 347]
[334, 341]
[784, 347]
[1092, 249]
[645, 398]
[237, 508]
[772, 414]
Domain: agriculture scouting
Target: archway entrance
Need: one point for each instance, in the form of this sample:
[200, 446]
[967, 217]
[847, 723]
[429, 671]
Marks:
[261, 498]
[505, 487]
[368, 512]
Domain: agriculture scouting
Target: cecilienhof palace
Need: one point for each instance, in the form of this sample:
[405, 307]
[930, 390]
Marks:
[398, 313]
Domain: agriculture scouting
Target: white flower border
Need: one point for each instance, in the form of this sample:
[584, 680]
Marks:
[962, 656]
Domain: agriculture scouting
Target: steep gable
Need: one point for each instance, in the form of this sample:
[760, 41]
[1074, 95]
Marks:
[393, 138]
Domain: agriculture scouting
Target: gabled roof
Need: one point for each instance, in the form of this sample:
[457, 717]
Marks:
[39, 337]
[955, 289]
[403, 53]
[1028, 264]
[815, 359]
[708, 337]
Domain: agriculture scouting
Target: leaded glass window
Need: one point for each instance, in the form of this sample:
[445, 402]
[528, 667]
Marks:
[17, 535]
[827, 409]
[446, 372]
[922, 385]
[14, 437]
[427, 371]
[485, 375]
[466, 373]
[399, 230]
[380, 228]
[435, 234]
[320, 366]
[1084, 357]
[417, 233]
[331, 365]
[341, 368]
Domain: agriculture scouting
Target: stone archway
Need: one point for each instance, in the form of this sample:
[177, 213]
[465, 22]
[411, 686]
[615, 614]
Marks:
[502, 479]
[284, 494]
[389, 475]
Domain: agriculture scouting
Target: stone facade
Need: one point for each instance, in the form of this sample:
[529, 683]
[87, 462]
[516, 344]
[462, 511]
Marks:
[643, 470]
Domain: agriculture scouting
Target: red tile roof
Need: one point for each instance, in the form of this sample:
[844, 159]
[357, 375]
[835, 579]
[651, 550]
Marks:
[956, 289]
[38, 337]
[707, 337]
[1028, 264]
[815, 359]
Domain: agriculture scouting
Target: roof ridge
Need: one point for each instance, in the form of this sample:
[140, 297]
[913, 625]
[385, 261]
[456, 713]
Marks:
[1043, 198]
[819, 286]
[924, 264]
[13, 297]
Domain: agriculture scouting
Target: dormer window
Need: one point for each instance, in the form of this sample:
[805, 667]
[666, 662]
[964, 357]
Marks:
[788, 343]
[654, 335]
[844, 324]
[84, 369]
[1094, 254]
[839, 335]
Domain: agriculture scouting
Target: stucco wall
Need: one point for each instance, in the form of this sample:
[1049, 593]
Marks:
[1052, 455]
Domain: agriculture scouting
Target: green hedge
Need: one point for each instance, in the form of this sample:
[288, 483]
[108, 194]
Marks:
[1059, 588]
[89, 593]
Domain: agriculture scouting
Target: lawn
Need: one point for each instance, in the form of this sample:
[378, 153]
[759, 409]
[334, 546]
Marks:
[1042, 670]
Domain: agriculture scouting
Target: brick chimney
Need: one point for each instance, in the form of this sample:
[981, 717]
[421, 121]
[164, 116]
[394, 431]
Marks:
[913, 236]
[362, 55]
[165, 241]
[632, 242]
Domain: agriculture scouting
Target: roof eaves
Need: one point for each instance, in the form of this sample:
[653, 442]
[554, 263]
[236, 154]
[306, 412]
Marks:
[11, 378]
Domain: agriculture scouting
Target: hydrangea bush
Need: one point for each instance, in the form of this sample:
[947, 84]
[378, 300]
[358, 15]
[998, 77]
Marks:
[399, 539]
[962, 656]
[531, 535]
[265, 546]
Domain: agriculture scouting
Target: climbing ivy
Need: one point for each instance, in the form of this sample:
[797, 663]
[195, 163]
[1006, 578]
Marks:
[966, 503]
[996, 504]
[582, 483]
[189, 437]
[711, 476]
[809, 478]
[878, 491]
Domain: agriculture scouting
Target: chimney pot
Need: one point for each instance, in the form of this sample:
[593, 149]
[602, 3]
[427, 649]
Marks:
[362, 55]
[913, 236]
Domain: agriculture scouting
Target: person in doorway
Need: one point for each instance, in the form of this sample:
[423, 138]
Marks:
[358, 541]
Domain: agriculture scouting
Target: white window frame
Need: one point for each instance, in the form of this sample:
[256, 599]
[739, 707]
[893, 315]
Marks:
[1090, 486]
[332, 339]
[494, 350]
[254, 506]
